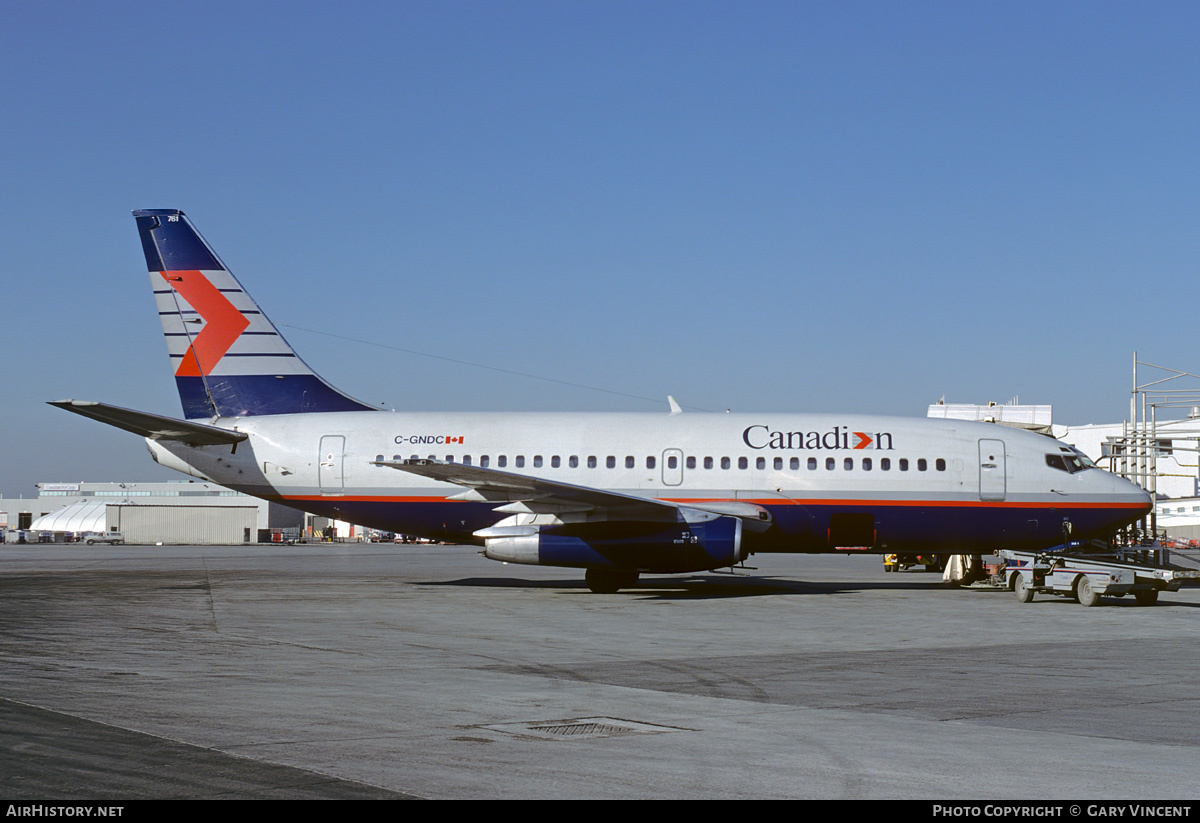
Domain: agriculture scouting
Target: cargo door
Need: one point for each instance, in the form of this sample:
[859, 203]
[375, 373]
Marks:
[991, 470]
[329, 464]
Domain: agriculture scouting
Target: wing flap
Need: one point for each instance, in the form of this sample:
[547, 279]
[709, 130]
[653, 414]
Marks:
[522, 494]
[535, 492]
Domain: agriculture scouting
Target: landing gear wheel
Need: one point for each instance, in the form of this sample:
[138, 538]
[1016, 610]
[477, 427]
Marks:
[1022, 590]
[609, 581]
[1084, 592]
[973, 570]
[1146, 597]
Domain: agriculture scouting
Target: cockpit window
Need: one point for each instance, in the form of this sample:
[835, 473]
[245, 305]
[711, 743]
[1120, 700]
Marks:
[1079, 461]
[1070, 460]
[1055, 461]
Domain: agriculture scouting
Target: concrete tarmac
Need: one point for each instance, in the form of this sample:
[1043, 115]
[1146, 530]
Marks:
[373, 671]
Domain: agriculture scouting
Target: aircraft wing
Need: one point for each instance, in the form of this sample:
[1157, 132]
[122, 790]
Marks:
[154, 426]
[536, 494]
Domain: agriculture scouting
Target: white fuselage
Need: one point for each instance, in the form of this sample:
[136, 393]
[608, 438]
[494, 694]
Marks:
[924, 484]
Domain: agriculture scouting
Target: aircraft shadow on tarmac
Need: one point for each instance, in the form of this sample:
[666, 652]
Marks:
[716, 586]
[704, 587]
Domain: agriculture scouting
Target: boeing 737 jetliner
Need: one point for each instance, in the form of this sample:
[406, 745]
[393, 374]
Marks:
[615, 494]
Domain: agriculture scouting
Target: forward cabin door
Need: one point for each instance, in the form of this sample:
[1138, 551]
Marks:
[991, 470]
[329, 464]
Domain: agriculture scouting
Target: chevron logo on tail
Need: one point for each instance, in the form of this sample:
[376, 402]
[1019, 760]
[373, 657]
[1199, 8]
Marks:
[223, 323]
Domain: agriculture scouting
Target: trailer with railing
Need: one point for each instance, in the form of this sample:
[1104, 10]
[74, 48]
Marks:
[1087, 572]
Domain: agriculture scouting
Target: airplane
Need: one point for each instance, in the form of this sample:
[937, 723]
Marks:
[614, 494]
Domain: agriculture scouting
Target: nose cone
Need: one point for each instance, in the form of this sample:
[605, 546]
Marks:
[1131, 497]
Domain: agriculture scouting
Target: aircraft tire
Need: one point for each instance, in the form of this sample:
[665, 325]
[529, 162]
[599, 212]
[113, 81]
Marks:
[609, 581]
[974, 571]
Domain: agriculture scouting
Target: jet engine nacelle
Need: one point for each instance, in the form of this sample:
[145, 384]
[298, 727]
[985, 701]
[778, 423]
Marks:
[651, 547]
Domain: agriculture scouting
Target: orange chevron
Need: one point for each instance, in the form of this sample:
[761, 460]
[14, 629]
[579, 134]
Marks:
[223, 323]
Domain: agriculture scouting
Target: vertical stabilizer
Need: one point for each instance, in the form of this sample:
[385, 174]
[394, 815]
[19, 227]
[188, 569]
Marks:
[229, 360]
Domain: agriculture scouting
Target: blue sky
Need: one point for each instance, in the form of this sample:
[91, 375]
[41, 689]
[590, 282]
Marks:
[766, 206]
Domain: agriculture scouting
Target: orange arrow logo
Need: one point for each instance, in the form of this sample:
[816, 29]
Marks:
[223, 323]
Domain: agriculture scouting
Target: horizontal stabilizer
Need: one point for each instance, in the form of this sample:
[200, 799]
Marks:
[154, 426]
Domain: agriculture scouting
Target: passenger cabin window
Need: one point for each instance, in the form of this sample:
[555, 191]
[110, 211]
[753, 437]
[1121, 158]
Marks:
[501, 461]
[520, 461]
[610, 462]
[940, 465]
[903, 464]
[651, 462]
[483, 461]
[866, 464]
[690, 462]
[708, 463]
[537, 461]
[555, 462]
[778, 463]
[629, 462]
[724, 462]
[794, 463]
[829, 464]
[574, 461]
[812, 464]
[672, 462]
[922, 465]
[743, 463]
[885, 464]
[591, 461]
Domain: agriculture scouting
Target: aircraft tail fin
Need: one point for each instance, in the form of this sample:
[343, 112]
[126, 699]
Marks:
[229, 360]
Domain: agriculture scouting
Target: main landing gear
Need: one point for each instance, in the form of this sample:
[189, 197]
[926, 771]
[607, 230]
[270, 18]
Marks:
[608, 581]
